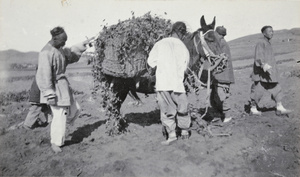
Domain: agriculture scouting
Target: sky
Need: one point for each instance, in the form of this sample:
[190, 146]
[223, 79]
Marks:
[25, 24]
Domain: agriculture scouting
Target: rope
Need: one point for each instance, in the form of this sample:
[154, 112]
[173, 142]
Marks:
[196, 45]
[208, 53]
[195, 76]
[207, 91]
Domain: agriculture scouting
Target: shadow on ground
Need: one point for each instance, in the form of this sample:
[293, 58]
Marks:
[144, 119]
[83, 132]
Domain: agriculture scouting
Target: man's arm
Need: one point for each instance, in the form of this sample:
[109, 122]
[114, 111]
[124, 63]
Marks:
[152, 59]
[44, 76]
[74, 53]
[260, 60]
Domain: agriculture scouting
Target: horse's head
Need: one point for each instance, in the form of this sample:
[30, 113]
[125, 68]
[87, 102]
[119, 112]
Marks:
[204, 27]
[195, 46]
[210, 35]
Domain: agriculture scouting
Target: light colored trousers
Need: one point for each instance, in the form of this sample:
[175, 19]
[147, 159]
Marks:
[173, 107]
[58, 124]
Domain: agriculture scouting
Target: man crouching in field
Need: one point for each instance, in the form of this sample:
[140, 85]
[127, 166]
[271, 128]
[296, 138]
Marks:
[54, 85]
[265, 74]
[171, 57]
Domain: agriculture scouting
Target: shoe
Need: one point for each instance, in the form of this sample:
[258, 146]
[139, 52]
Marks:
[185, 134]
[56, 149]
[283, 112]
[280, 110]
[169, 141]
[27, 127]
[254, 111]
[172, 137]
[227, 119]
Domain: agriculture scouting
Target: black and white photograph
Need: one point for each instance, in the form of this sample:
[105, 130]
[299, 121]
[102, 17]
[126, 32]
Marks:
[150, 88]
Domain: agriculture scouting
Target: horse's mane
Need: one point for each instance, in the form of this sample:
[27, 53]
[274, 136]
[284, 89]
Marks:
[190, 36]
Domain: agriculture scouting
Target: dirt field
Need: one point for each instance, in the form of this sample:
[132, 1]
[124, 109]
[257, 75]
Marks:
[250, 146]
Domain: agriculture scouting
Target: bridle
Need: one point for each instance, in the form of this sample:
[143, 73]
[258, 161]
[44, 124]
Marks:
[209, 55]
[207, 50]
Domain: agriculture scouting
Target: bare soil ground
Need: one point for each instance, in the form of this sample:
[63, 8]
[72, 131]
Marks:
[256, 146]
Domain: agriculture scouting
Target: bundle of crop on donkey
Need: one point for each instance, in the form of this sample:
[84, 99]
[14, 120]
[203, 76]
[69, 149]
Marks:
[120, 65]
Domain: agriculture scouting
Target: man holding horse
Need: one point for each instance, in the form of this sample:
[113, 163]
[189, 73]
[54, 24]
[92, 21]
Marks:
[223, 80]
[171, 57]
[265, 74]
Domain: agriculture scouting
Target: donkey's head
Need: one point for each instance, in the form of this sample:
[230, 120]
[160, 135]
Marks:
[195, 46]
[204, 27]
[210, 35]
[208, 30]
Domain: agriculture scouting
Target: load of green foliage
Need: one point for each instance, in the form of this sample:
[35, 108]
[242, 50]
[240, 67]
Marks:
[123, 49]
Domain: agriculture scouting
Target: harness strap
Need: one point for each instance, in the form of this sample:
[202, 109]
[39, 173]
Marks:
[207, 91]
[200, 71]
[208, 53]
[196, 45]
[205, 47]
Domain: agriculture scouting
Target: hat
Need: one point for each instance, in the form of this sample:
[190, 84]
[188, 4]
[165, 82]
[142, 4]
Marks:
[264, 28]
[57, 31]
[179, 27]
[221, 30]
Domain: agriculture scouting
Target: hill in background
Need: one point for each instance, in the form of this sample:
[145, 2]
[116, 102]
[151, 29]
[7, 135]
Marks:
[284, 41]
[13, 59]
[14, 56]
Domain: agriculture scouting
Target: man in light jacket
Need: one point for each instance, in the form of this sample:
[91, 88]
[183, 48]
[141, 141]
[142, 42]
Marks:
[54, 85]
[171, 57]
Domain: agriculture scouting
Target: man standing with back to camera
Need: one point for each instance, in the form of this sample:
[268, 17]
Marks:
[265, 74]
[171, 57]
[54, 85]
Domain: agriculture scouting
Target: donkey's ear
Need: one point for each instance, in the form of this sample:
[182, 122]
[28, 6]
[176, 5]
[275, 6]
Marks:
[202, 21]
[213, 23]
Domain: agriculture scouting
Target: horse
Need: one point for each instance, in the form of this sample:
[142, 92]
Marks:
[201, 44]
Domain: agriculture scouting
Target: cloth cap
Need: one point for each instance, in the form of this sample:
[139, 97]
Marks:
[265, 27]
[57, 31]
[179, 27]
[221, 30]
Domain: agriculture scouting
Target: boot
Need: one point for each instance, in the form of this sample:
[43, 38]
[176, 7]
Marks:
[280, 110]
[185, 134]
[227, 119]
[172, 137]
[254, 111]
[56, 148]
[227, 116]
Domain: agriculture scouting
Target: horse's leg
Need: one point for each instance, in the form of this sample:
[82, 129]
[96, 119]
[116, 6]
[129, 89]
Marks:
[135, 97]
[121, 93]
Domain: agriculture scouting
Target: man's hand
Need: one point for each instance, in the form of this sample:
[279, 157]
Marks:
[266, 67]
[89, 42]
[81, 47]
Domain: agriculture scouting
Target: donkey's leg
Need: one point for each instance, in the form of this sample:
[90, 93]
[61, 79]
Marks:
[121, 89]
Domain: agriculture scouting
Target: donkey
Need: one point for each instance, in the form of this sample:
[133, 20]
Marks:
[202, 44]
